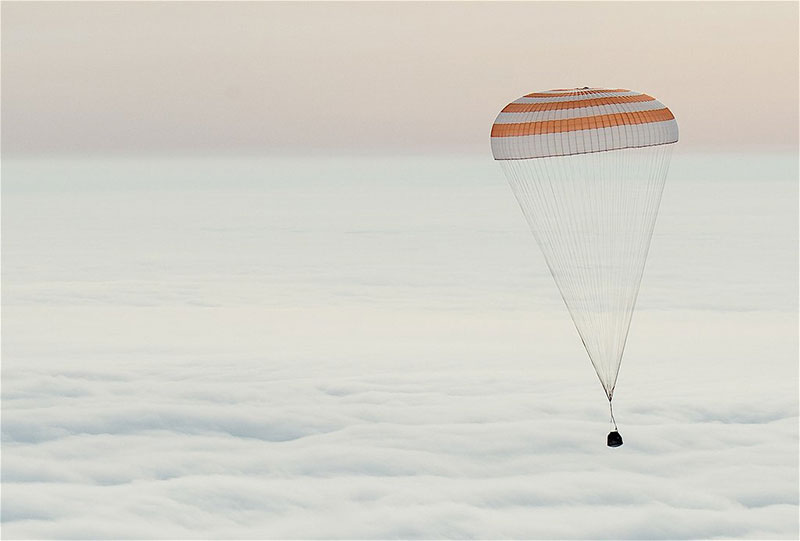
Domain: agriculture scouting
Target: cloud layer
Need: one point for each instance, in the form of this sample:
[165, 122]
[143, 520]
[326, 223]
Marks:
[201, 451]
[384, 359]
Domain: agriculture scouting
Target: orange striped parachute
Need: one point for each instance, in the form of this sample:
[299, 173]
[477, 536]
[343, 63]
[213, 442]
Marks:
[588, 166]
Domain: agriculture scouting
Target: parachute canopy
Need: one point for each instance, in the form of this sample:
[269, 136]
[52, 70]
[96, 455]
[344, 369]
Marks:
[587, 167]
[565, 122]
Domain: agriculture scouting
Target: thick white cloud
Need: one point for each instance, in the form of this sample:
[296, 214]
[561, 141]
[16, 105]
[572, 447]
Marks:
[383, 358]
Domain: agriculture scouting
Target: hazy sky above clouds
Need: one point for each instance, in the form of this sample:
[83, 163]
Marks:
[267, 77]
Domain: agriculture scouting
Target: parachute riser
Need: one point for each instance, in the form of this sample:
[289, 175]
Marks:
[611, 411]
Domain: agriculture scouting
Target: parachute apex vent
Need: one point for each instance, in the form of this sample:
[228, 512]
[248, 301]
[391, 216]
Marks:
[614, 439]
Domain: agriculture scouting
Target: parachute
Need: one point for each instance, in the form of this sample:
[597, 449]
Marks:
[588, 166]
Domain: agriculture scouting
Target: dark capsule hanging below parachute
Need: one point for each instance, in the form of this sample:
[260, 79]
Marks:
[588, 166]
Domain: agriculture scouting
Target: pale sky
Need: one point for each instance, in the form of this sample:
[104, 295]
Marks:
[275, 77]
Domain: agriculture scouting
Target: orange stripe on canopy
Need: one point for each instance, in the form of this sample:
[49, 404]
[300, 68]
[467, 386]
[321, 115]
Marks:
[581, 123]
[556, 105]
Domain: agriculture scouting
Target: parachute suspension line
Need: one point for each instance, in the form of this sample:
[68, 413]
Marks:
[593, 216]
[653, 172]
